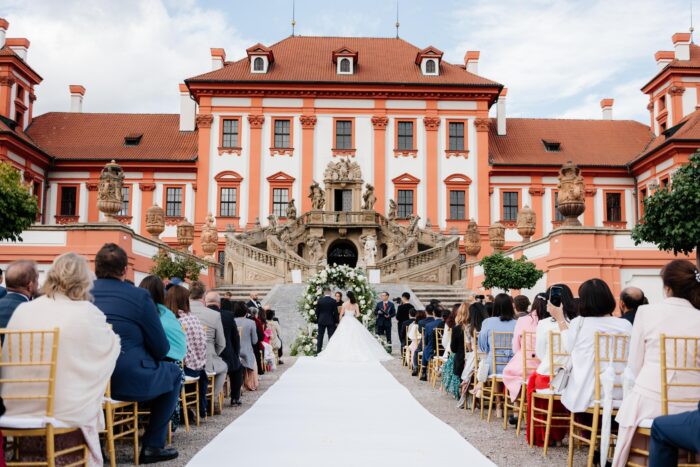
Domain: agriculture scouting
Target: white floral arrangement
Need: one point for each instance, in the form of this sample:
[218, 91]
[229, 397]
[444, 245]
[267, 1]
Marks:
[305, 343]
[341, 277]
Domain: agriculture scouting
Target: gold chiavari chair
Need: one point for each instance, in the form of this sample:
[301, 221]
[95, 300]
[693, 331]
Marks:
[501, 346]
[28, 351]
[420, 354]
[529, 365]
[437, 360]
[121, 420]
[546, 417]
[680, 355]
[478, 361]
[211, 397]
[610, 349]
[189, 396]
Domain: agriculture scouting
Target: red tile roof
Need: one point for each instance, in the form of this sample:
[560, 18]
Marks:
[584, 142]
[687, 130]
[8, 127]
[380, 60]
[693, 62]
[100, 136]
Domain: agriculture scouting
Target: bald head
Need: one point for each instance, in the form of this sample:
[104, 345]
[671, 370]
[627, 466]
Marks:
[212, 298]
[22, 277]
[631, 298]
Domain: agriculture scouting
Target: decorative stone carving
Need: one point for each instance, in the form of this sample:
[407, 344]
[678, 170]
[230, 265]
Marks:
[7, 81]
[368, 198]
[497, 236]
[393, 210]
[380, 122]
[291, 210]
[210, 238]
[155, 221]
[537, 190]
[343, 152]
[91, 186]
[431, 123]
[343, 170]
[406, 153]
[481, 124]
[256, 121]
[650, 106]
[571, 194]
[281, 152]
[369, 243]
[526, 223]
[204, 120]
[308, 122]
[315, 245]
[185, 235]
[472, 239]
[317, 197]
[109, 191]
[676, 90]
[147, 186]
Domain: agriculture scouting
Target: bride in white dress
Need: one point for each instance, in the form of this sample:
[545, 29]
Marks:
[352, 342]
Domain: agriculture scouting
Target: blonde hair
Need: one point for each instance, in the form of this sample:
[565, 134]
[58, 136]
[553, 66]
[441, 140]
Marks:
[70, 276]
[463, 314]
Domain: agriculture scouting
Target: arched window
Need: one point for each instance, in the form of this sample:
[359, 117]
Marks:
[345, 65]
[258, 64]
[430, 67]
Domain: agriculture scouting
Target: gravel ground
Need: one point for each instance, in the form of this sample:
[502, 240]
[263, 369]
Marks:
[502, 447]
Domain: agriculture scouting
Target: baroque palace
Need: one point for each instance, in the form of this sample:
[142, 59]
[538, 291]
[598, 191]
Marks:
[361, 151]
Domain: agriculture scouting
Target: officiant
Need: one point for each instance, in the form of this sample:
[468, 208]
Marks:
[385, 310]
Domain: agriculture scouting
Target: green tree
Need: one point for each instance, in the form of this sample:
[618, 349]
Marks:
[184, 267]
[672, 216]
[508, 273]
[18, 207]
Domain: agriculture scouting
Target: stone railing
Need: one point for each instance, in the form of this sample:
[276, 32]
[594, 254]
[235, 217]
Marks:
[342, 218]
[432, 265]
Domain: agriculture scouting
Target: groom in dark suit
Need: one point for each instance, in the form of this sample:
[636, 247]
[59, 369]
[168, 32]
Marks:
[384, 310]
[326, 310]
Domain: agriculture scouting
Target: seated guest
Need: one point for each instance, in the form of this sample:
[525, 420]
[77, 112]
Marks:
[671, 432]
[171, 326]
[83, 332]
[477, 313]
[140, 374]
[22, 280]
[405, 324]
[540, 378]
[460, 345]
[578, 337]
[249, 337]
[677, 315]
[177, 300]
[503, 320]
[429, 318]
[513, 372]
[451, 380]
[522, 305]
[231, 354]
[276, 339]
[631, 298]
[431, 345]
[413, 334]
[216, 342]
[3, 291]
[268, 354]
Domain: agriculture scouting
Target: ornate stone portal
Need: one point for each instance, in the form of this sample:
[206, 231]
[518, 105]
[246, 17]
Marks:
[341, 228]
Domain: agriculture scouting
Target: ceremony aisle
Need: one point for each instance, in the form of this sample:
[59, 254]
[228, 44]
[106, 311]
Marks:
[340, 414]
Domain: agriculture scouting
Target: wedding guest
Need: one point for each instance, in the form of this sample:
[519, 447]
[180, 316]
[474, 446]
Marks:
[671, 432]
[477, 313]
[22, 281]
[140, 374]
[429, 318]
[249, 337]
[522, 305]
[450, 380]
[216, 342]
[403, 315]
[231, 353]
[677, 315]
[431, 344]
[3, 291]
[177, 300]
[339, 300]
[631, 298]
[254, 302]
[260, 331]
[578, 337]
[459, 348]
[171, 326]
[80, 382]
[276, 339]
[413, 334]
[540, 378]
[268, 354]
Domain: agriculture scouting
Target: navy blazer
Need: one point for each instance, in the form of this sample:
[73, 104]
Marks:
[430, 343]
[8, 305]
[232, 353]
[3, 291]
[390, 310]
[326, 309]
[140, 375]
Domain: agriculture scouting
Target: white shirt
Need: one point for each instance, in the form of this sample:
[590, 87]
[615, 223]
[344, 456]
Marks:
[542, 350]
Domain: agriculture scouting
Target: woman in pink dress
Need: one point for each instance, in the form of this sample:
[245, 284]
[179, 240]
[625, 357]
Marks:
[513, 372]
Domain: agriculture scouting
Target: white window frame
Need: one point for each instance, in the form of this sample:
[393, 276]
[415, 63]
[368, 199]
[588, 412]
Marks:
[265, 64]
[352, 66]
[424, 66]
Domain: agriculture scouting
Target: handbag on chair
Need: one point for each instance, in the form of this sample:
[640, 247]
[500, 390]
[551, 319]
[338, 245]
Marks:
[563, 373]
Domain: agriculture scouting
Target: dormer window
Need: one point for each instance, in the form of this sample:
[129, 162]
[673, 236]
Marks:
[258, 65]
[551, 146]
[430, 68]
[345, 65]
[345, 60]
[133, 139]
[429, 61]
[260, 58]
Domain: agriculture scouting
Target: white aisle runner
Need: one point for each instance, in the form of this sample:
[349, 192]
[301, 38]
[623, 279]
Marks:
[338, 414]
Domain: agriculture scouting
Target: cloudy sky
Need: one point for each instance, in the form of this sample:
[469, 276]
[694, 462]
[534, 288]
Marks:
[557, 57]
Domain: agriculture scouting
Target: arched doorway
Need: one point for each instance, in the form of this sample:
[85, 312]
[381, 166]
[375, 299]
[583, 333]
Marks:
[454, 274]
[342, 252]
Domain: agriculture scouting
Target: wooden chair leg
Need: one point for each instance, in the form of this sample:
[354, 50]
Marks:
[136, 433]
[491, 396]
[50, 447]
[521, 410]
[548, 426]
[109, 430]
[593, 439]
[572, 442]
[196, 405]
[183, 400]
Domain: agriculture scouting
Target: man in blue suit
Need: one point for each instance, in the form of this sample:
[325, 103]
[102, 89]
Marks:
[141, 374]
[670, 432]
[22, 280]
[385, 310]
[430, 343]
[430, 311]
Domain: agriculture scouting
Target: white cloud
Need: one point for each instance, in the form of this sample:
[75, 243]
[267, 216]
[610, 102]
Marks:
[561, 57]
[130, 54]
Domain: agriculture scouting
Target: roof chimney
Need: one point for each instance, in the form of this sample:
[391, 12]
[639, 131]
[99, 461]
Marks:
[20, 46]
[471, 61]
[681, 42]
[4, 25]
[76, 97]
[188, 109]
[218, 57]
[501, 113]
[607, 106]
[663, 58]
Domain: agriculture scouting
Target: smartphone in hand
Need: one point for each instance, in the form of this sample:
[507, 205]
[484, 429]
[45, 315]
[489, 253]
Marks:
[555, 295]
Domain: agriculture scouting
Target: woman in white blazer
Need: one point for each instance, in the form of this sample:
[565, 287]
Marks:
[677, 315]
[87, 352]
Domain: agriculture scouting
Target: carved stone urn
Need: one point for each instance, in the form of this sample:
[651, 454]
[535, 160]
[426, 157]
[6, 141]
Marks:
[155, 221]
[472, 240]
[526, 223]
[497, 236]
[572, 194]
[109, 191]
[210, 238]
[185, 235]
